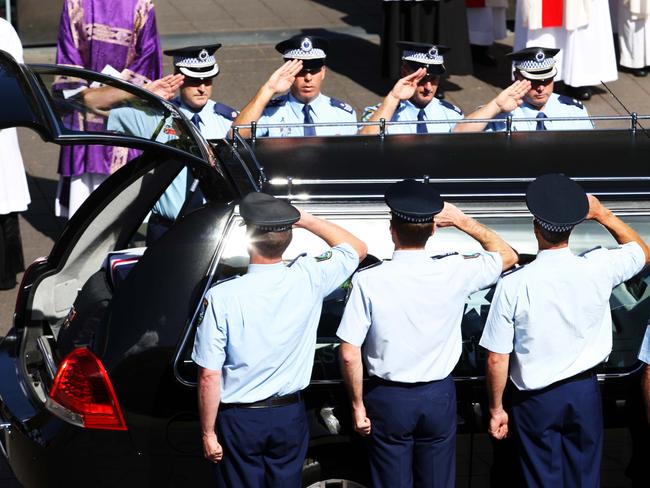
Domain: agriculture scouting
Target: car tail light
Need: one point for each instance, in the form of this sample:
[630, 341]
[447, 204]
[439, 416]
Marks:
[82, 393]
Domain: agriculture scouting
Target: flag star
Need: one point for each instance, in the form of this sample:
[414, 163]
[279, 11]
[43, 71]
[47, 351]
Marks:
[476, 300]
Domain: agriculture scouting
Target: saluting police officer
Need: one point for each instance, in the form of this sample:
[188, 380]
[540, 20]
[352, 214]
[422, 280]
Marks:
[403, 317]
[302, 75]
[551, 318]
[255, 346]
[531, 96]
[644, 356]
[199, 67]
[413, 96]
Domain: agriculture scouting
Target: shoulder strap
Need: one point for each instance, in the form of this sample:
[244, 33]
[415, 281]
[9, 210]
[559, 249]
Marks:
[342, 105]
[225, 111]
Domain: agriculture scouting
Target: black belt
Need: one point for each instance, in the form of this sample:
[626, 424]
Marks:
[274, 401]
[160, 220]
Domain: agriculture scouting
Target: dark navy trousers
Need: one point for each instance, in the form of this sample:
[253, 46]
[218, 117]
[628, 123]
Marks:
[262, 447]
[560, 434]
[413, 433]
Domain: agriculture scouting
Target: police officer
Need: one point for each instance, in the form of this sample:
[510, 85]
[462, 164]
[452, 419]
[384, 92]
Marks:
[302, 74]
[644, 356]
[403, 318]
[255, 346]
[199, 67]
[413, 96]
[530, 96]
[551, 317]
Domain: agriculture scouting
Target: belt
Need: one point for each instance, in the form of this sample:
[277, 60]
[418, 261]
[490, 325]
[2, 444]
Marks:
[274, 401]
[577, 377]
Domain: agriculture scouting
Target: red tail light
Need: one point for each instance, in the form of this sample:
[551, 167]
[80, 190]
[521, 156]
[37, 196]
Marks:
[83, 394]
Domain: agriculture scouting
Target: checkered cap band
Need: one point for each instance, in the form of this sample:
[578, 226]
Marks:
[552, 227]
[302, 54]
[410, 218]
[534, 65]
[203, 61]
[424, 58]
[273, 228]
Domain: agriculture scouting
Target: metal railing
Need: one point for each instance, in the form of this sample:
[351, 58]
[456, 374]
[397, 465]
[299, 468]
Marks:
[8, 10]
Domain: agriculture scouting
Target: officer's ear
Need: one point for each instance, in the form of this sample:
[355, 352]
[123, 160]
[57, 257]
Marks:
[324, 70]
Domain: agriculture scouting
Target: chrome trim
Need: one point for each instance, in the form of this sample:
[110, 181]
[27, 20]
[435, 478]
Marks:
[279, 181]
[46, 351]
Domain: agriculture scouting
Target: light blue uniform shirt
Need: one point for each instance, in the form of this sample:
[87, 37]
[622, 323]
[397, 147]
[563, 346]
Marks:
[406, 313]
[406, 111]
[557, 106]
[216, 120]
[287, 109]
[553, 314]
[260, 330]
[644, 354]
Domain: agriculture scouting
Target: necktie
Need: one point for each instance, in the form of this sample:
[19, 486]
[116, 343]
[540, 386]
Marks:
[309, 131]
[196, 120]
[422, 128]
[540, 122]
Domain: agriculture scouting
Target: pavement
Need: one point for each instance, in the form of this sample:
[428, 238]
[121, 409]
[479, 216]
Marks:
[248, 29]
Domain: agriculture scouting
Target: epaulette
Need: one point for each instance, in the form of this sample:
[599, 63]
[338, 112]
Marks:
[220, 282]
[451, 106]
[176, 101]
[513, 270]
[370, 266]
[368, 112]
[569, 101]
[293, 261]
[342, 105]
[583, 254]
[441, 256]
[225, 111]
[277, 102]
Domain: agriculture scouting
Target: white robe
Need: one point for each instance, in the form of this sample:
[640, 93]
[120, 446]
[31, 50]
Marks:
[14, 194]
[633, 26]
[486, 25]
[586, 54]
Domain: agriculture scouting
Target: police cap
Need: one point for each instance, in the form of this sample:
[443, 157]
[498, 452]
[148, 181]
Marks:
[557, 202]
[535, 63]
[413, 201]
[311, 50]
[196, 61]
[268, 213]
[421, 55]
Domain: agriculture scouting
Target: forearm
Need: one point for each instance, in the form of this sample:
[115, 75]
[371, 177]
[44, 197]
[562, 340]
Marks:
[487, 111]
[209, 397]
[489, 240]
[645, 387]
[254, 109]
[332, 233]
[352, 368]
[622, 232]
[496, 377]
[104, 98]
[385, 111]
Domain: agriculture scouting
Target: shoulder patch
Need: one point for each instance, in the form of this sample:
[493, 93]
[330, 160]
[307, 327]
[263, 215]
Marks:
[583, 254]
[569, 101]
[324, 257]
[277, 102]
[342, 105]
[293, 261]
[441, 256]
[451, 106]
[202, 309]
[369, 112]
[370, 266]
[225, 111]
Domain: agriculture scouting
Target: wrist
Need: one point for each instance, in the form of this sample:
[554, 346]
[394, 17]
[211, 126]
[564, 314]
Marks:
[496, 410]
[267, 92]
[209, 435]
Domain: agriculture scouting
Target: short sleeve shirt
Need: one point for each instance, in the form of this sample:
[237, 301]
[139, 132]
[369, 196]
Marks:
[260, 330]
[644, 354]
[553, 315]
[406, 313]
[435, 110]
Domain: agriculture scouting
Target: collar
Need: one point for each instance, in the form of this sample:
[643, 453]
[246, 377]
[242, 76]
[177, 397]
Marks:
[183, 106]
[553, 253]
[263, 268]
[296, 105]
[409, 255]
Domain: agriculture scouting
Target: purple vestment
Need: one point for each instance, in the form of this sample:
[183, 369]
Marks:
[92, 35]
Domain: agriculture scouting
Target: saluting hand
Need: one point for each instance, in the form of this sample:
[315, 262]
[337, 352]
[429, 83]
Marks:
[166, 86]
[361, 421]
[450, 216]
[282, 79]
[596, 209]
[212, 450]
[510, 98]
[498, 427]
[405, 87]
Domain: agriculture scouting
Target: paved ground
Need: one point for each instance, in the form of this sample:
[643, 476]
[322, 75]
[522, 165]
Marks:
[249, 29]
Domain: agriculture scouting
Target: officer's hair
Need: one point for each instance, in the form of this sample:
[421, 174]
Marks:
[553, 237]
[411, 234]
[270, 245]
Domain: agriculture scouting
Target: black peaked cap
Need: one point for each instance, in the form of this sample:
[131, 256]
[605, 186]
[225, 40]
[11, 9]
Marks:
[267, 212]
[558, 201]
[413, 201]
